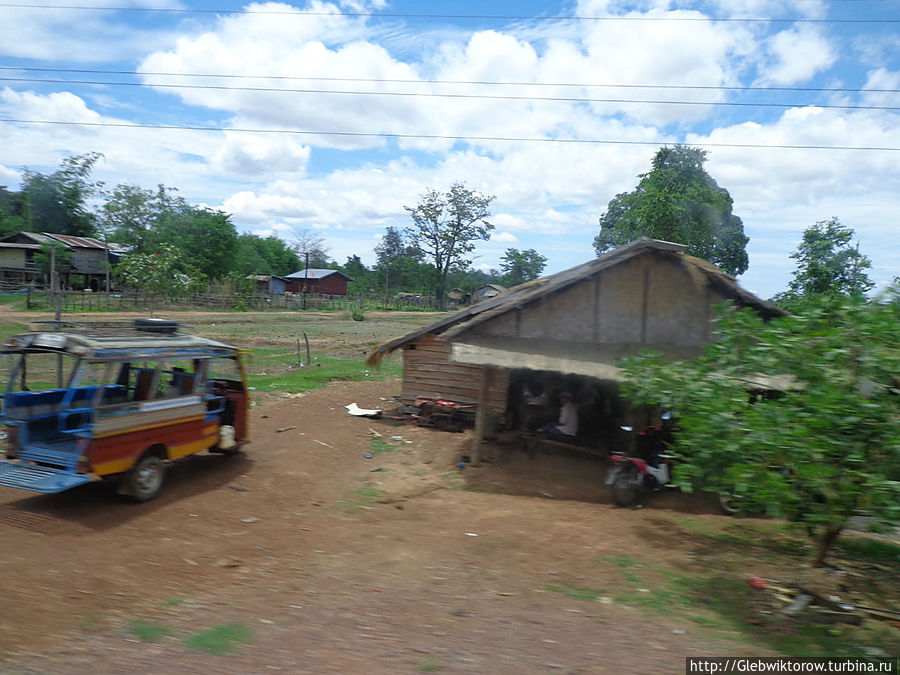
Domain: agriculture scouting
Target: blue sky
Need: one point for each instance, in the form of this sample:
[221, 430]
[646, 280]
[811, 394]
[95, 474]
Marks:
[727, 75]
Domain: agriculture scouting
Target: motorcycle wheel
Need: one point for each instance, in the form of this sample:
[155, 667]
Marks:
[626, 486]
[730, 502]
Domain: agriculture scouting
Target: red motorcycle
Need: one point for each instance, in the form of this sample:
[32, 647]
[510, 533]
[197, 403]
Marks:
[645, 470]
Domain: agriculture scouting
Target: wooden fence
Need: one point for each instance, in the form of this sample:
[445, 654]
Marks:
[85, 301]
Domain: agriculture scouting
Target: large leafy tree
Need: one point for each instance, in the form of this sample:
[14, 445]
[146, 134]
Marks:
[265, 255]
[825, 448]
[143, 220]
[446, 225]
[521, 266]
[58, 202]
[399, 266]
[12, 209]
[677, 200]
[828, 264]
[205, 237]
[132, 215]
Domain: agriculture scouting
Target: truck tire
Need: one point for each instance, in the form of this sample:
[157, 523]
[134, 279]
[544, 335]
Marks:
[145, 479]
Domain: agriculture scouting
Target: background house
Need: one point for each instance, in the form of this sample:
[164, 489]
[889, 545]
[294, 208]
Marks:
[568, 331]
[89, 257]
[325, 282]
[268, 284]
[487, 292]
[17, 264]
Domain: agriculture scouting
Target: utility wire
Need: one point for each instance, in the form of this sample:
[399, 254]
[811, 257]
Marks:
[498, 83]
[501, 97]
[395, 15]
[506, 139]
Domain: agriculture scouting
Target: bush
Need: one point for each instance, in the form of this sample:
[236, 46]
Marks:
[358, 315]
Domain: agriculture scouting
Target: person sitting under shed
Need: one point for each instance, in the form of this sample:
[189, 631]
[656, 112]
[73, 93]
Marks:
[567, 425]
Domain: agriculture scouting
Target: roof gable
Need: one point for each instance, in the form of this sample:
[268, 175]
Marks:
[532, 292]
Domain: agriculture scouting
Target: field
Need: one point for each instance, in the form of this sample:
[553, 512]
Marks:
[337, 544]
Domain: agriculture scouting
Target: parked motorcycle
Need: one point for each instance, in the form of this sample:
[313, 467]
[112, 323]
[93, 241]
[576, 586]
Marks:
[647, 469]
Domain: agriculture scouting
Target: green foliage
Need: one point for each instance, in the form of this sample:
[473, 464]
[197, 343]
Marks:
[12, 210]
[826, 265]
[677, 200]
[399, 265]
[158, 272]
[521, 266]
[264, 255]
[446, 225]
[58, 203]
[358, 315]
[822, 450]
[44, 259]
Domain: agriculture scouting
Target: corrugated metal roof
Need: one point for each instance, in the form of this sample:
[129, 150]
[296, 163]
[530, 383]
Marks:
[316, 274]
[519, 296]
[68, 240]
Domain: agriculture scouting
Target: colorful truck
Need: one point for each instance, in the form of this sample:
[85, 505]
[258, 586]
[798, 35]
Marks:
[116, 400]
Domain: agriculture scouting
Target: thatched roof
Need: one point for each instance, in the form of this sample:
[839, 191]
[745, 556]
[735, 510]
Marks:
[532, 291]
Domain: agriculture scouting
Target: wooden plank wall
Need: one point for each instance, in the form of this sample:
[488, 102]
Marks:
[428, 371]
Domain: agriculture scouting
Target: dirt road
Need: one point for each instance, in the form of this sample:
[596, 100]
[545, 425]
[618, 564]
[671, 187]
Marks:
[326, 561]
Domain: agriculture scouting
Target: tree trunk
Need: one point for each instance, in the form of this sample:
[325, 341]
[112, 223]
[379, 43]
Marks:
[829, 536]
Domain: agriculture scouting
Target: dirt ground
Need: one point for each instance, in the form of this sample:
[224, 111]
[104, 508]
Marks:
[338, 563]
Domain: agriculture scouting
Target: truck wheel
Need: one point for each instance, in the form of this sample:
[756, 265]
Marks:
[145, 479]
[626, 486]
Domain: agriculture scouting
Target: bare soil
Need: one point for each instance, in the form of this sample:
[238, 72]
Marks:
[338, 563]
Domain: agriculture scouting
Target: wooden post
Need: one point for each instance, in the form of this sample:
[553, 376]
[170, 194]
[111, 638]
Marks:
[481, 415]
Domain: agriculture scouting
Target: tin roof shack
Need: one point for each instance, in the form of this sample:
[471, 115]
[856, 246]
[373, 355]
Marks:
[645, 295]
[324, 281]
[17, 263]
[89, 255]
[268, 284]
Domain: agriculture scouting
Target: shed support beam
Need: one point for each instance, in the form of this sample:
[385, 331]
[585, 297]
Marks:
[482, 414]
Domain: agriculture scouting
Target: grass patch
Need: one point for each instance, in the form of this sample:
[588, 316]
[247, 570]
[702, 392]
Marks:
[360, 499]
[148, 632]
[428, 665]
[872, 549]
[280, 372]
[378, 446]
[220, 639]
[578, 592]
[174, 602]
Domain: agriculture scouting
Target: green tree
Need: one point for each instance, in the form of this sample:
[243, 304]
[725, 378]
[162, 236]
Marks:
[265, 255]
[399, 265]
[58, 203]
[677, 200]
[446, 227]
[361, 275]
[205, 237]
[162, 272]
[825, 448]
[53, 254]
[521, 266]
[131, 215]
[11, 212]
[827, 263]
[145, 219]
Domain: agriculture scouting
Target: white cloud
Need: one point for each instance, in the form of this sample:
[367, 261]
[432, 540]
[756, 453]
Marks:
[504, 237]
[75, 36]
[795, 55]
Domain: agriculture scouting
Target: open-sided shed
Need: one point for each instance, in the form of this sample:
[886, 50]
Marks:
[646, 295]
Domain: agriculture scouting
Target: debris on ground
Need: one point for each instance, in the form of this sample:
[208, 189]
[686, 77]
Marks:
[356, 411]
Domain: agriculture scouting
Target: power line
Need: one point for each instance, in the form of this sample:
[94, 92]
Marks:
[504, 139]
[477, 17]
[501, 97]
[498, 83]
